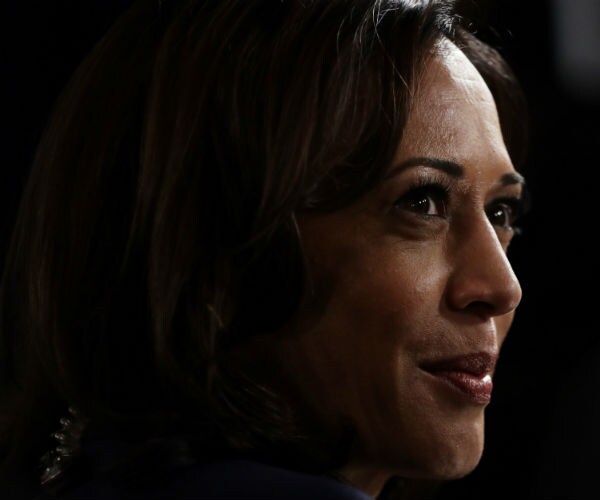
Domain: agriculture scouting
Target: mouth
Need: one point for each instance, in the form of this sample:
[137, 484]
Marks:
[468, 375]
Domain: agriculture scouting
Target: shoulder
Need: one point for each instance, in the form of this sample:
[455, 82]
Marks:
[232, 479]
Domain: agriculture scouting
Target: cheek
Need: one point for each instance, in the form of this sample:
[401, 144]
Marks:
[375, 313]
[371, 305]
[390, 293]
[380, 310]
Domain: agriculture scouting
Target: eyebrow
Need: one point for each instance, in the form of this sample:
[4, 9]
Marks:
[512, 178]
[450, 167]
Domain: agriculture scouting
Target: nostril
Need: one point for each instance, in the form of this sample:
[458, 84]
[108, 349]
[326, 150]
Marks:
[482, 308]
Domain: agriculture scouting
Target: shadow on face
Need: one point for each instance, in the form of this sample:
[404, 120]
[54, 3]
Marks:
[413, 292]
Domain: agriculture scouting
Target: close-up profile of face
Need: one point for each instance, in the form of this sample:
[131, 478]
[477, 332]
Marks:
[412, 293]
[262, 251]
[300, 249]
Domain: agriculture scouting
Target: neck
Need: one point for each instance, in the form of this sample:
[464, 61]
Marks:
[366, 479]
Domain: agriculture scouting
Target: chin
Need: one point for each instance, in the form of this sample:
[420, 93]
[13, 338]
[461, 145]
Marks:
[442, 456]
[455, 467]
[454, 459]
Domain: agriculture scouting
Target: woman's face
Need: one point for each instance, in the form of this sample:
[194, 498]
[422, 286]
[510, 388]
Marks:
[412, 290]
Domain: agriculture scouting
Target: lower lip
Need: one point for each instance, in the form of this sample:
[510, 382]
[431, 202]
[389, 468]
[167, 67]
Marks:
[478, 389]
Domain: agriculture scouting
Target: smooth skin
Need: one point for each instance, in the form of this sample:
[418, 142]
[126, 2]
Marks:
[415, 270]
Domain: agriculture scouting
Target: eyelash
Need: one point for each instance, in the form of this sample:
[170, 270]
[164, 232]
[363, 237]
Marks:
[436, 189]
[439, 190]
[516, 207]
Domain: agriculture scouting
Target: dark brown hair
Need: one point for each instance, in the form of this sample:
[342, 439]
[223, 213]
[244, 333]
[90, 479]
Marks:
[157, 229]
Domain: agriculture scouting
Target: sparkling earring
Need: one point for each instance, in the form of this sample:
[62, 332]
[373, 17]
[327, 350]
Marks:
[68, 438]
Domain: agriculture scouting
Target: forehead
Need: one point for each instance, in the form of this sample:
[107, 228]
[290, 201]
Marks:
[453, 114]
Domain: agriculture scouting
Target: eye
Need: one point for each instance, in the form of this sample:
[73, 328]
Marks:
[503, 213]
[429, 200]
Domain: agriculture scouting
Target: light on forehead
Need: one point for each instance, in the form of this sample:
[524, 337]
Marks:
[462, 81]
[456, 63]
[454, 117]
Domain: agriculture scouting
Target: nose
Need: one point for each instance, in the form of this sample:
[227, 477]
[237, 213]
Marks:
[482, 281]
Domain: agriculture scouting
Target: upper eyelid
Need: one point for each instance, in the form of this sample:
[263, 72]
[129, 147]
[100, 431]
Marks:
[516, 201]
[441, 187]
[433, 179]
[505, 197]
[458, 187]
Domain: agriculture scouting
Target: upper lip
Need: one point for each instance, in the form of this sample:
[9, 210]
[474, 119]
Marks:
[477, 363]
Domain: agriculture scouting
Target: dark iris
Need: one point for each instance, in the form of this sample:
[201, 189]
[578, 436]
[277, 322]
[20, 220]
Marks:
[428, 200]
[504, 213]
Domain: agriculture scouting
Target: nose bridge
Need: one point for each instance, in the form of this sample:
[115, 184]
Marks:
[482, 277]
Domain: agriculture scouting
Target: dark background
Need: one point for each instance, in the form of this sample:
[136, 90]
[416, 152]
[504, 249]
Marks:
[542, 425]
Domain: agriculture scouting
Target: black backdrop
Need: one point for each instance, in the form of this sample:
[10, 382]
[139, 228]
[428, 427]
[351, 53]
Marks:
[542, 438]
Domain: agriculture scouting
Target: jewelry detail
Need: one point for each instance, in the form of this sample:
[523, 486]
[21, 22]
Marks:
[68, 438]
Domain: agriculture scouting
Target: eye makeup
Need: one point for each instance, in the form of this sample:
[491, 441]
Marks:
[427, 196]
[506, 212]
[433, 195]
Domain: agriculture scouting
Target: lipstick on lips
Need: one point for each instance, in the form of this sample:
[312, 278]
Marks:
[470, 374]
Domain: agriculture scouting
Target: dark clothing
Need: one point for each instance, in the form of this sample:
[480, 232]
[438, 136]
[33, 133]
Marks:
[226, 480]
[234, 479]
[113, 464]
